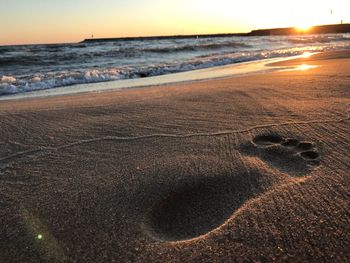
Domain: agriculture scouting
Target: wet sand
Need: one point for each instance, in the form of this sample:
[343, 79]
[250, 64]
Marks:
[249, 168]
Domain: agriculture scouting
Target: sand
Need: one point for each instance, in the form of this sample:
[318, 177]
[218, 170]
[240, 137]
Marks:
[240, 169]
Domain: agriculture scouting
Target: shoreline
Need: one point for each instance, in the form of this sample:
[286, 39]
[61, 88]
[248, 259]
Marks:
[187, 77]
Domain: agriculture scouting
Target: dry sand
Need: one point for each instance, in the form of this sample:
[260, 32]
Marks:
[242, 169]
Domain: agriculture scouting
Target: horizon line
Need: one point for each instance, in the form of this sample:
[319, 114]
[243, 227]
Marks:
[203, 35]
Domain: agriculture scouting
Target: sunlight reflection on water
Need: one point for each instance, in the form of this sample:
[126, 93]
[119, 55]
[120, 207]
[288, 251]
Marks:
[304, 67]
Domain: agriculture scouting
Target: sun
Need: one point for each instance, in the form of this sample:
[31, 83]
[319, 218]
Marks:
[303, 27]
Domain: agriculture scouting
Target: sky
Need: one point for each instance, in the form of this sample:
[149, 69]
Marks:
[65, 21]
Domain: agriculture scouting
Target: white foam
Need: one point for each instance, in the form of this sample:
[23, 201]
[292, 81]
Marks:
[7, 79]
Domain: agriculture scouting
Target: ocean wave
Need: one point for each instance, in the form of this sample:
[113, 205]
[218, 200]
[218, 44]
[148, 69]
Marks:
[11, 85]
[196, 47]
[25, 60]
[122, 52]
[318, 39]
[4, 50]
[55, 57]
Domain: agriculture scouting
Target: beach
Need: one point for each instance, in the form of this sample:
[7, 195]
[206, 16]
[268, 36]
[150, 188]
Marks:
[244, 169]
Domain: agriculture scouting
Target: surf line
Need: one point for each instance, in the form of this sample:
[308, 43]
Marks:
[41, 150]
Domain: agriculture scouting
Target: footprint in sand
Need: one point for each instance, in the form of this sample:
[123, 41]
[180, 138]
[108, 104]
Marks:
[286, 154]
[196, 208]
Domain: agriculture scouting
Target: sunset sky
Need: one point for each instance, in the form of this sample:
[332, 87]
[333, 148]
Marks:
[49, 21]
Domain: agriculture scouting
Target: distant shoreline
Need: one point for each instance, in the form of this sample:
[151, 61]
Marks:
[323, 29]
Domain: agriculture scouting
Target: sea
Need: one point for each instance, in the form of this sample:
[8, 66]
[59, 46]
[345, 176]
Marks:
[28, 68]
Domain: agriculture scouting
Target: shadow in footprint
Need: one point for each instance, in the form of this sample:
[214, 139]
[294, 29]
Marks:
[193, 209]
[266, 140]
[286, 154]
